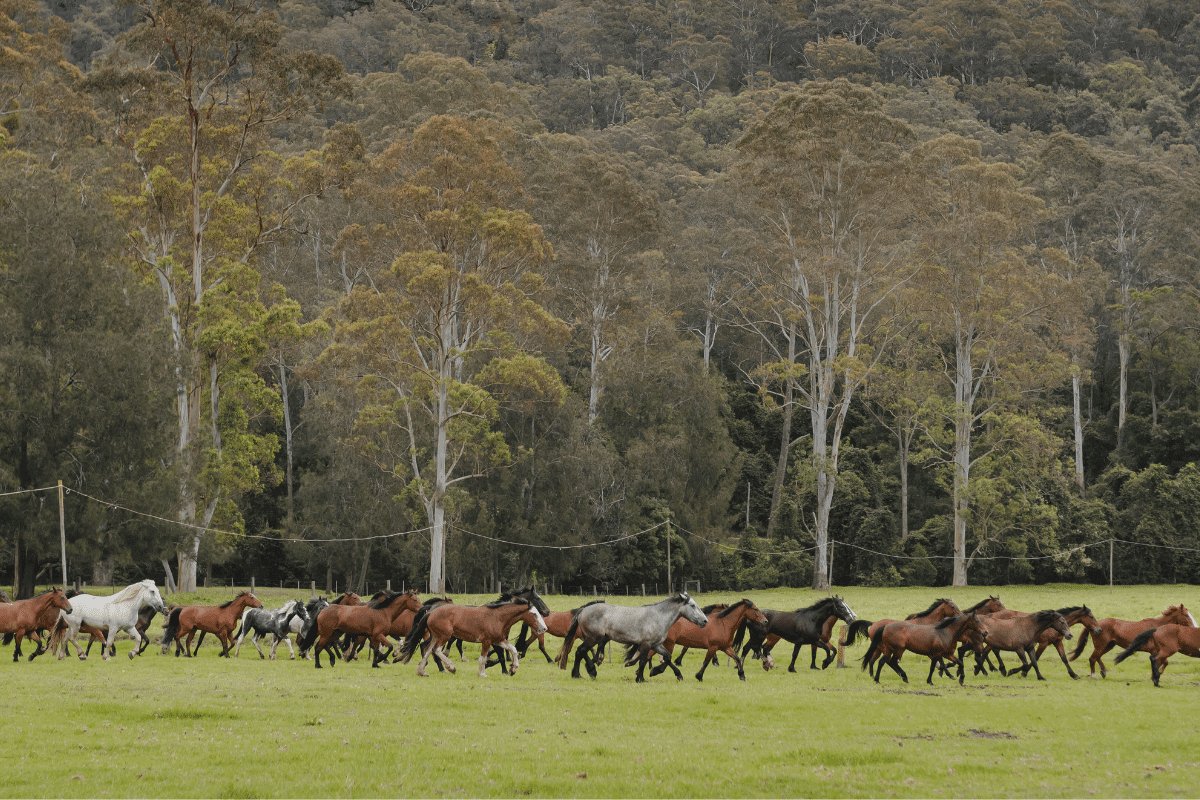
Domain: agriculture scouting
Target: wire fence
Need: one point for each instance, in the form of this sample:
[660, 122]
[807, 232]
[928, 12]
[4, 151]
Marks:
[607, 543]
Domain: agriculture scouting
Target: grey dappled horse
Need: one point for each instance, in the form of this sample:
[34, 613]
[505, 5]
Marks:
[277, 622]
[642, 629]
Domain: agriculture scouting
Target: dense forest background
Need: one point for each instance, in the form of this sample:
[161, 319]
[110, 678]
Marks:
[309, 289]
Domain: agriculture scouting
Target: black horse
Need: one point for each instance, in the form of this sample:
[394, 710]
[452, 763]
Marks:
[800, 627]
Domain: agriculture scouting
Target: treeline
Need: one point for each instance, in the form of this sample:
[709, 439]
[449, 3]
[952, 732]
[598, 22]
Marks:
[457, 294]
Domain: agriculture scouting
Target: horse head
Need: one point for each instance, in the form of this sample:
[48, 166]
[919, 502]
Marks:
[1052, 619]
[844, 612]
[1084, 616]
[59, 600]
[1179, 615]
[535, 599]
[692, 612]
[949, 607]
[152, 598]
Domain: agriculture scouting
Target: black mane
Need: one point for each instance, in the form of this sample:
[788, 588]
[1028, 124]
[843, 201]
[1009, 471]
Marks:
[714, 607]
[979, 605]
[824, 601]
[1073, 609]
[734, 607]
[948, 621]
[388, 598]
[929, 610]
[234, 600]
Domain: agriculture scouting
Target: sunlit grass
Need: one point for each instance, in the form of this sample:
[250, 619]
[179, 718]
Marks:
[176, 727]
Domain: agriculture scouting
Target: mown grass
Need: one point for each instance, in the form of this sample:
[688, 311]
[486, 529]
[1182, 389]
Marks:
[209, 727]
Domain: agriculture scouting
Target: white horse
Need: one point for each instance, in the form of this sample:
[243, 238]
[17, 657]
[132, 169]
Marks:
[114, 613]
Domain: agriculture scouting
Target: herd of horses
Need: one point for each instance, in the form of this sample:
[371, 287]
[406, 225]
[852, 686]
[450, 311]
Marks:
[340, 628]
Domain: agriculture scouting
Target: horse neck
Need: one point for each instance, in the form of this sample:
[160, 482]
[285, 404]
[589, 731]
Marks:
[238, 607]
[956, 628]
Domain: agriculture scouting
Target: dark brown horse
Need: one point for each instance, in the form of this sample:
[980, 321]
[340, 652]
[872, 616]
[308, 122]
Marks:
[372, 620]
[1121, 632]
[1162, 643]
[1021, 634]
[25, 617]
[401, 625]
[716, 636]
[184, 621]
[1074, 615]
[488, 625]
[800, 627]
[937, 642]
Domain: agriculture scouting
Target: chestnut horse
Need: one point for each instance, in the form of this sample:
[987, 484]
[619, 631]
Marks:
[184, 621]
[937, 642]
[1162, 643]
[24, 617]
[372, 620]
[557, 624]
[488, 625]
[1121, 632]
[940, 609]
[716, 636]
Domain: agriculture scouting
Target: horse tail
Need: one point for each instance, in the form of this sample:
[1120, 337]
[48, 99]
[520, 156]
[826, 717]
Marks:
[415, 634]
[523, 645]
[172, 627]
[564, 655]
[309, 637]
[1136, 645]
[632, 653]
[8, 637]
[1083, 639]
[56, 635]
[876, 641]
[857, 627]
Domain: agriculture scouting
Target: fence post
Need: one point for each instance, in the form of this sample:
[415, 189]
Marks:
[252, 584]
[841, 664]
[643, 590]
[314, 588]
[389, 584]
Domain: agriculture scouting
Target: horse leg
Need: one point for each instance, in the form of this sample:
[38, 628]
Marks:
[795, 655]
[254, 641]
[830, 654]
[933, 663]
[291, 650]
[541, 637]
[813, 665]
[1061, 654]
[579, 658]
[425, 658]
[741, 666]
[188, 644]
[440, 653]
[1157, 668]
[1033, 659]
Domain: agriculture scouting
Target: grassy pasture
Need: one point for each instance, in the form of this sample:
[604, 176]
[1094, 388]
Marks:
[209, 727]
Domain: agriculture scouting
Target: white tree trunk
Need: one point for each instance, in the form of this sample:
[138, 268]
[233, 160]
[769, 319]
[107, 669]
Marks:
[1077, 391]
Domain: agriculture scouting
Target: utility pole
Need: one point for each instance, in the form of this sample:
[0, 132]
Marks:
[62, 533]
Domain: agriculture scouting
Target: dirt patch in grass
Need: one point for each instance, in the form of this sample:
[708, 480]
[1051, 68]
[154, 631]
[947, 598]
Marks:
[975, 733]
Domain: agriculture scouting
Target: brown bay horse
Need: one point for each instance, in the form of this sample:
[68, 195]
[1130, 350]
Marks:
[937, 642]
[24, 618]
[184, 621]
[1074, 615]
[1121, 632]
[557, 624]
[487, 625]
[1162, 643]
[372, 620]
[1021, 634]
[716, 636]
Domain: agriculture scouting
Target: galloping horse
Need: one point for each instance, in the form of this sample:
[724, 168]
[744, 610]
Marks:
[716, 636]
[115, 613]
[644, 626]
[935, 641]
[1162, 643]
[184, 621]
[315, 606]
[1074, 615]
[24, 617]
[1020, 634]
[940, 609]
[557, 624]
[259, 621]
[800, 627]
[373, 620]
[488, 625]
[1121, 632]
[145, 616]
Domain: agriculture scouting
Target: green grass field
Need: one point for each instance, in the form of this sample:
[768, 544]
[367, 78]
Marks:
[207, 727]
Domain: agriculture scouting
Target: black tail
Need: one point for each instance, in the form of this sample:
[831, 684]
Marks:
[1083, 639]
[876, 640]
[1135, 646]
[857, 627]
[309, 637]
[564, 655]
[413, 641]
[172, 627]
[632, 653]
[8, 637]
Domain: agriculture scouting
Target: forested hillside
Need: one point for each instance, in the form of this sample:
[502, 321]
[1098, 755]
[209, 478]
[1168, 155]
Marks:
[463, 293]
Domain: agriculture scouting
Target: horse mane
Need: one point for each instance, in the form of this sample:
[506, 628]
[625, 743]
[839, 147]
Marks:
[435, 600]
[335, 601]
[948, 621]
[1073, 609]
[234, 600]
[929, 610]
[824, 601]
[507, 601]
[978, 605]
[128, 593]
[734, 607]
[1045, 616]
[389, 598]
[714, 607]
